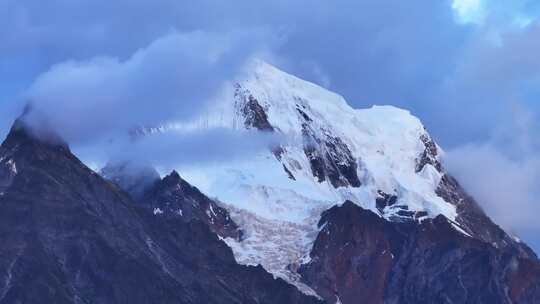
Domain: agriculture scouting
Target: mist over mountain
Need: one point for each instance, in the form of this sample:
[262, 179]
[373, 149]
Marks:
[355, 206]
[269, 152]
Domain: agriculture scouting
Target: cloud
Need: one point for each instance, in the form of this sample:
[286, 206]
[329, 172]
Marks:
[171, 79]
[503, 174]
[176, 147]
[144, 62]
[357, 48]
[469, 11]
[369, 51]
[410, 54]
[493, 75]
[506, 188]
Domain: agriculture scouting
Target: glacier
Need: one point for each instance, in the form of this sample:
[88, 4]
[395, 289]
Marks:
[276, 197]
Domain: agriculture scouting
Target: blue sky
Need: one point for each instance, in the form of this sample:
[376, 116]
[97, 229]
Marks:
[469, 69]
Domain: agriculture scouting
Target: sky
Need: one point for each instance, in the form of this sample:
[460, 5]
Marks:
[468, 68]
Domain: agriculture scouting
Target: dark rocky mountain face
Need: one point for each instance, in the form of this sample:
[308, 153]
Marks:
[70, 236]
[359, 257]
[171, 196]
[471, 217]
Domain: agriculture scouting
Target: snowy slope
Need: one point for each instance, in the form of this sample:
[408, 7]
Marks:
[332, 153]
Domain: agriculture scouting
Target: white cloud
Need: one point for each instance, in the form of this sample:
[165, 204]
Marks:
[469, 11]
[172, 78]
[506, 188]
[503, 174]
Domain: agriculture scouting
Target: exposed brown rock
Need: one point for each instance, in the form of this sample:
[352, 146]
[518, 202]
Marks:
[359, 257]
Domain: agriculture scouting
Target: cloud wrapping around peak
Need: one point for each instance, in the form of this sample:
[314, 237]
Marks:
[172, 78]
[95, 68]
[174, 148]
[503, 174]
[506, 188]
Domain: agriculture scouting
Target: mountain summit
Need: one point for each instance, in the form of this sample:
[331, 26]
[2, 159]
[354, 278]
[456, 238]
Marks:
[355, 207]
[380, 160]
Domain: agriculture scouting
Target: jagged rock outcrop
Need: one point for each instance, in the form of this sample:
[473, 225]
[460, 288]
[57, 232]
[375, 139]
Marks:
[251, 110]
[470, 215]
[474, 220]
[358, 257]
[430, 154]
[70, 236]
[171, 196]
[330, 159]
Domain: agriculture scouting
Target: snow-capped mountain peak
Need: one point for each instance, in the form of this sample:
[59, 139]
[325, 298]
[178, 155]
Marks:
[353, 205]
[381, 158]
[333, 152]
